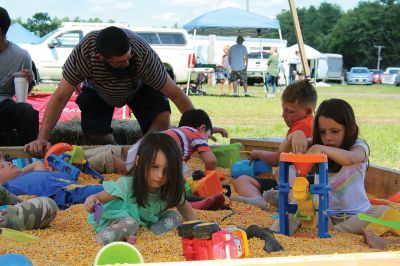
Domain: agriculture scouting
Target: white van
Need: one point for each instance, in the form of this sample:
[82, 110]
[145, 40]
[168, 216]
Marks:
[53, 49]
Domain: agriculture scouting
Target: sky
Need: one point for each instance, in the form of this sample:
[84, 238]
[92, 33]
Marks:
[151, 13]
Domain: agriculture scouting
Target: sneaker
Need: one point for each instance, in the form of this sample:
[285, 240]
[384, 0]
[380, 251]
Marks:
[246, 94]
[235, 95]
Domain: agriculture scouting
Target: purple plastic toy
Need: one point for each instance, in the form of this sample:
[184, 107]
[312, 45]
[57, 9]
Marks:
[98, 211]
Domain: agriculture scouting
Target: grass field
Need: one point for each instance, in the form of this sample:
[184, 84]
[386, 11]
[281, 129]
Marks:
[376, 107]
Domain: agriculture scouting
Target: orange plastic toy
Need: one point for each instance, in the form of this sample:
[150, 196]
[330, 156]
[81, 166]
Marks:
[57, 149]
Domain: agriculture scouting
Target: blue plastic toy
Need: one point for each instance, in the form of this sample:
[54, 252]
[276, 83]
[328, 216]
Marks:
[22, 162]
[303, 164]
[60, 162]
[14, 259]
[250, 168]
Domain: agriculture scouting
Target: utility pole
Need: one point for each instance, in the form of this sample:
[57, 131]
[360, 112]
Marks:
[379, 55]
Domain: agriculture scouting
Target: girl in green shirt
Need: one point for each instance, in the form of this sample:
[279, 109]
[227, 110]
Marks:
[154, 185]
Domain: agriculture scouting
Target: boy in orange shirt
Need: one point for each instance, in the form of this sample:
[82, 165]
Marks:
[299, 101]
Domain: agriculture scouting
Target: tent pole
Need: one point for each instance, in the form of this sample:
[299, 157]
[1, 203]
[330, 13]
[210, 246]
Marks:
[189, 63]
[280, 35]
[299, 38]
[262, 69]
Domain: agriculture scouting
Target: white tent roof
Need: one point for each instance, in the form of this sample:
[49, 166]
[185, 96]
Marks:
[311, 53]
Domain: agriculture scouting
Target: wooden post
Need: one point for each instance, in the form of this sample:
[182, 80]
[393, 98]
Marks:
[299, 38]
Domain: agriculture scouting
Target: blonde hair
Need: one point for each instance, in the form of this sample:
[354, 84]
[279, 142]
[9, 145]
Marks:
[226, 48]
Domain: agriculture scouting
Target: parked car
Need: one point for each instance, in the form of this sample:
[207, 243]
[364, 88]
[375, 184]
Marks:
[376, 75]
[397, 80]
[359, 75]
[389, 75]
[256, 67]
[173, 46]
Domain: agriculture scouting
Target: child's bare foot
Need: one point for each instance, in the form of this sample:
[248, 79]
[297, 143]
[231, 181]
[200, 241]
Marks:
[375, 241]
[131, 239]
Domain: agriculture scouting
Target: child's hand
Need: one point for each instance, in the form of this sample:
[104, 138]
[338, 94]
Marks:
[299, 141]
[315, 149]
[254, 155]
[90, 203]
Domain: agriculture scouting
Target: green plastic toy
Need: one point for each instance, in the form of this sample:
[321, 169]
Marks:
[117, 253]
[19, 236]
[387, 223]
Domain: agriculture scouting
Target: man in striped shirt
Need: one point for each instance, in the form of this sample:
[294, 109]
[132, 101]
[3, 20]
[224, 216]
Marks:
[117, 67]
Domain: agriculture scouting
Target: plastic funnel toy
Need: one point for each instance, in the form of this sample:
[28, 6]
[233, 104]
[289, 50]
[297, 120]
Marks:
[19, 236]
[14, 259]
[300, 188]
[303, 168]
[303, 162]
[118, 253]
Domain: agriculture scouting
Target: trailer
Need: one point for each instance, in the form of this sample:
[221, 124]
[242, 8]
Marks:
[330, 68]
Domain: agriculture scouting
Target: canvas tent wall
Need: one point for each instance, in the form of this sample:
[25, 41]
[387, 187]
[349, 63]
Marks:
[289, 59]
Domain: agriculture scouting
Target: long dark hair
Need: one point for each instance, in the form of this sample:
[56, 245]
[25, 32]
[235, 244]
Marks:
[341, 112]
[173, 189]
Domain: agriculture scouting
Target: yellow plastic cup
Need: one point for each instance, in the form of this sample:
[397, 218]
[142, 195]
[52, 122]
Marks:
[117, 253]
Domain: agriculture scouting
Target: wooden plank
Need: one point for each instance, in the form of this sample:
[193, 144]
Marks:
[380, 181]
[362, 259]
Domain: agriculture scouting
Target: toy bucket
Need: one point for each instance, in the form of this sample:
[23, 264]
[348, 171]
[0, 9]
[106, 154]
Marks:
[118, 253]
[227, 154]
[244, 167]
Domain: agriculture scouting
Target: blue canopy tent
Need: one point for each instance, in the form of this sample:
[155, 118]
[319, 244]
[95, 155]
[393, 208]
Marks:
[232, 22]
[18, 34]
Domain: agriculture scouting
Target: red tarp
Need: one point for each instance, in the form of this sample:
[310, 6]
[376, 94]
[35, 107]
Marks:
[39, 102]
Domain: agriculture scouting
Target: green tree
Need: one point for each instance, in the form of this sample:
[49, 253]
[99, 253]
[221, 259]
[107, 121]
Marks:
[41, 23]
[315, 23]
[358, 32]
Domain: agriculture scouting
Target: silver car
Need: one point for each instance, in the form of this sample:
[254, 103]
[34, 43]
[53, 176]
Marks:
[359, 75]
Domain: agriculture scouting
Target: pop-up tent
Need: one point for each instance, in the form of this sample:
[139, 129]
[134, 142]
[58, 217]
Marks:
[18, 34]
[232, 22]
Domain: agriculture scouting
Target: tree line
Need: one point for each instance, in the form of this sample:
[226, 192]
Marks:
[355, 34]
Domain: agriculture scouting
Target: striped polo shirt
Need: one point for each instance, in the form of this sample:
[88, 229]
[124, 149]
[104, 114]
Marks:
[114, 89]
[189, 140]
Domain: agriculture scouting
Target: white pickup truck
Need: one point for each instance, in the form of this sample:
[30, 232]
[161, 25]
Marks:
[389, 75]
[50, 53]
